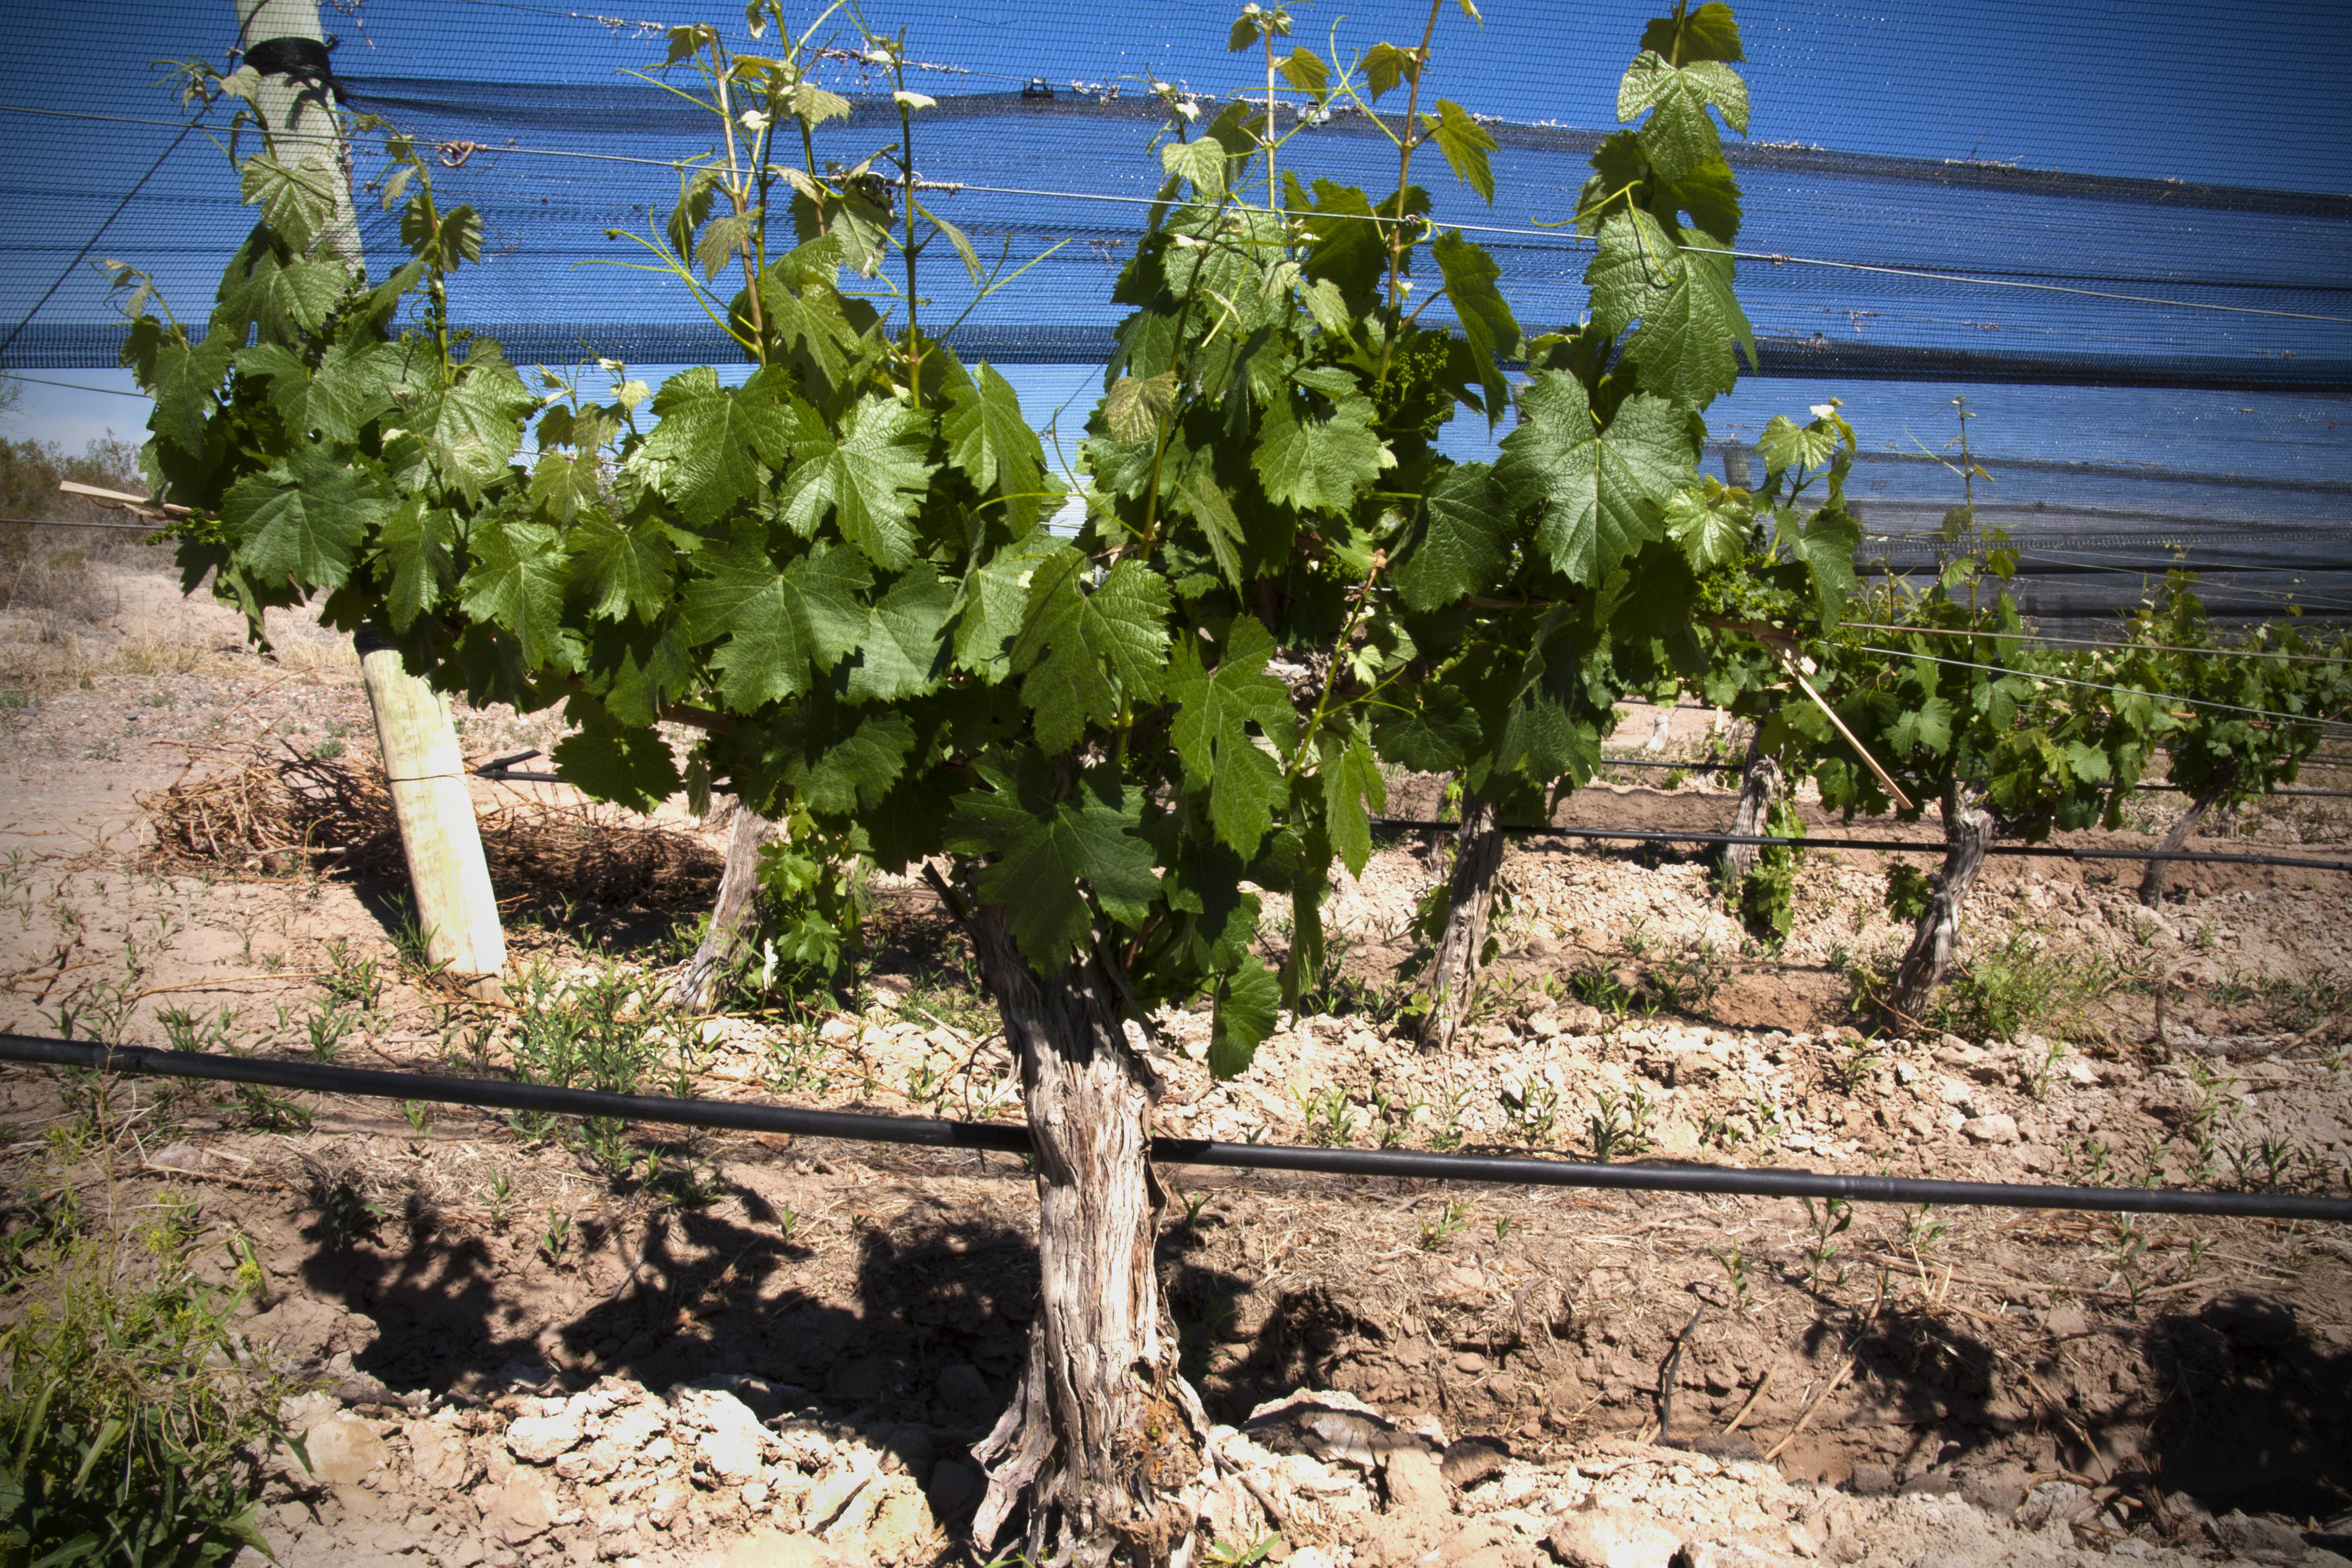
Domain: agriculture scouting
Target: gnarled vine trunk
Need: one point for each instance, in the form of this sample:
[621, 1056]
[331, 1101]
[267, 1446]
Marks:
[1758, 783]
[739, 901]
[2159, 872]
[1461, 947]
[1969, 833]
[1104, 1439]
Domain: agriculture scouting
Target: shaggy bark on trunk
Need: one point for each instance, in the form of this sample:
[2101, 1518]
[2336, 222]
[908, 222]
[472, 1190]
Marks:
[2159, 872]
[1758, 783]
[1969, 833]
[739, 901]
[1104, 1439]
[1454, 970]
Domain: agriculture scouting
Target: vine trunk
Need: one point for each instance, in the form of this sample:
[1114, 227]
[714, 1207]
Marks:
[1969, 833]
[1461, 946]
[1104, 1439]
[730, 916]
[2152, 881]
[1758, 783]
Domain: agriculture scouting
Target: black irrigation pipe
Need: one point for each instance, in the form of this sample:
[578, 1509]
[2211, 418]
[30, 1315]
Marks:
[1910, 845]
[1733, 767]
[1010, 1139]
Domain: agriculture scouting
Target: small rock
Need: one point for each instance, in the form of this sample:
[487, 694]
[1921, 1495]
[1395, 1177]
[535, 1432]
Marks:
[2065, 1323]
[1802, 1541]
[440, 1456]
[2241, 1533]
[732, 1443]
[521, 1509]
[1872, 1480]
[1998, 1128]
[901, 1524]
[537, 1439]
[1472, 1459]
[1611, 1538]
[965, 1393]
[834, 1494]
[956, 1488]
[1414, 1485]
[182, 1155]
[342, 1449]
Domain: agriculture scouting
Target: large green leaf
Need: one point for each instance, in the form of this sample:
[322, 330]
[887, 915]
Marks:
[305, 522]
[1046, 848]
[1707, 32]
[1467, 145]
[1827, 544]
[418, 543]
[1690, 318]
[1710, 536]
[992, 444]
[1211, 731]
[1352, 780]
[899, 655]
[705, 453]
[1246, 1005]
[282, 299]
[1430, 728]
[1680, 135]
[186, 385]
[563, 485]
[630, 767]
[622, 570]
[1487, 323]
[298, 199]
[869, 479]
[1080, 655]
[517, 581]
[1346, 249]
[1462, 542]
[476, 427]
[995, 600]
[1601, 491]
[778, 626]
[1316, 456]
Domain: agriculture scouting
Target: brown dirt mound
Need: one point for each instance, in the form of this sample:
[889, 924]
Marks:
[267, 811]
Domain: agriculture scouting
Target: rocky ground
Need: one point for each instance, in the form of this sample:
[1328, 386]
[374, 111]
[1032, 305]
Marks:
[528, 1343]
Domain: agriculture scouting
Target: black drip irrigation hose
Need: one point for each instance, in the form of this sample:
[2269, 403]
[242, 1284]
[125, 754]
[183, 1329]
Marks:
[1917, 847]
[1008, 1139]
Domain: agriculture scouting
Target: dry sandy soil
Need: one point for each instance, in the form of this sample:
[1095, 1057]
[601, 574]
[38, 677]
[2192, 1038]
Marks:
[527, 1349]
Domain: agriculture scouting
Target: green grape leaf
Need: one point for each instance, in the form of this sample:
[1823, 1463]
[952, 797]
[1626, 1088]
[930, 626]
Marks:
[1679, 136]
[1786, 444]
[995, 600]
[1305, 71]
[1683, 346]
[517, 582]
[1709, 32]
[305, 521]
[1487, 324]
[1134, 406]
[1317, 458]
[1462, 541]
[706, 452]
[1345, 248]
[1385, 65]
[1210, 733]
[297, 199]
[1044, 848]
[419, 544]
[1434, 737]
[622, 571]
[185, 384]
[1201, 497]
[476, 427]
[1467, 145]
[563, 487]
[1200, 160]
[989, 439]
[777, 625]
[632, 768]
[1632, 269]
[1601, 491]
[282, 299]
[1351, 781]
[1080, 654]
[1708, 194]
[1830, 537]
[1247, 1005]
[1926, 724]
[871, 480]
[904, 636]
[1710, 536]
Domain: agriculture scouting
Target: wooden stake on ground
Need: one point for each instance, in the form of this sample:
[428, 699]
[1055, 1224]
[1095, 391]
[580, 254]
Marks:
[455, 906]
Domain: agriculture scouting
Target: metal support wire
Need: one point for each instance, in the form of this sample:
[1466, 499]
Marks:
[1908, 846]
[1012, 1139]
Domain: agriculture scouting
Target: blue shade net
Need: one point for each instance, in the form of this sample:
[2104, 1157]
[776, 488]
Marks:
[2124, 248]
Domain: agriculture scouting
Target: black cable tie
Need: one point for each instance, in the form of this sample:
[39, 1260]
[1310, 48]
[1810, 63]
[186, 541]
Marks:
[305, 60]
[1013, 1139]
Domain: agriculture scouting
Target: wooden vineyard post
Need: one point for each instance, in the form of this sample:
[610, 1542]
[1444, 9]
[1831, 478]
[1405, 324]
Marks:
[455, 909]
[282, 41]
